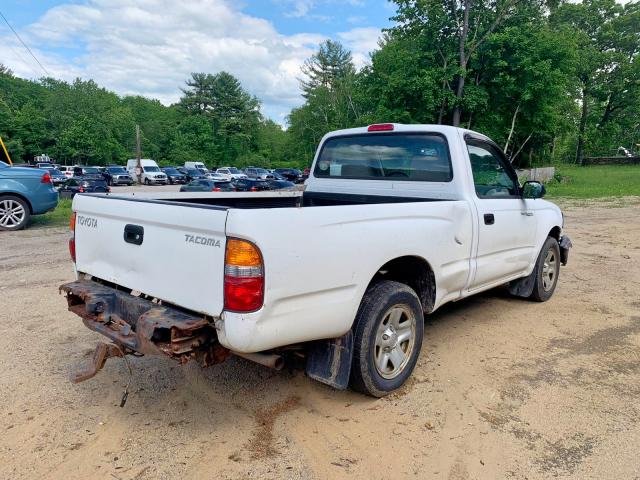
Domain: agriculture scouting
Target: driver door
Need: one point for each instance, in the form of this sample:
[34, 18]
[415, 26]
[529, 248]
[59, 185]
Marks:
[507, 223]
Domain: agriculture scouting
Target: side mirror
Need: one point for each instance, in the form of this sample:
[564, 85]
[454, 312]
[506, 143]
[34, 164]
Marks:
[533, 189]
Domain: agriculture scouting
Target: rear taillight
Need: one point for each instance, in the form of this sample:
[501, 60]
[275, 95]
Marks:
[81, 190]
[254, 189]
[215, 189]
[46, 178]
[243, 277]
[72, 240]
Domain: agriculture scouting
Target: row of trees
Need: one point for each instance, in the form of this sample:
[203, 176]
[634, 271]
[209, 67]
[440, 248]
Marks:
[216, 121]
[549, 80]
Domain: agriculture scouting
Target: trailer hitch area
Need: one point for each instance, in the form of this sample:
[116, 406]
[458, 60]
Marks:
[100, 356]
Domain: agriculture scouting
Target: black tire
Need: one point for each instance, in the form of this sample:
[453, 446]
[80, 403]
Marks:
[146, 181]
[543, 288]
[14, 213]
[378, 305]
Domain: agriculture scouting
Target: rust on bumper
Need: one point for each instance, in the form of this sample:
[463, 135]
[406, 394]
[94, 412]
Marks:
[138, 325]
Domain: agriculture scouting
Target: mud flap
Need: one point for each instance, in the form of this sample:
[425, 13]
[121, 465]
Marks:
[329, 361]
[565, 245]
[523, 287]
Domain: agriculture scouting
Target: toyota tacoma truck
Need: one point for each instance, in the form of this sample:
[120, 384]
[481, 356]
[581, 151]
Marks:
[394, 222]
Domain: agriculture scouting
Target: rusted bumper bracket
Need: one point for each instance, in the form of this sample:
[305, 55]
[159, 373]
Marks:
[138, 325]
[100, 356]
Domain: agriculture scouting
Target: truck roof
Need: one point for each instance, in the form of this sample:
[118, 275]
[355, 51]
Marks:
[403, 127]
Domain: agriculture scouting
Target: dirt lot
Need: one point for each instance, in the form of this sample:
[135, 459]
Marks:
[504, 388]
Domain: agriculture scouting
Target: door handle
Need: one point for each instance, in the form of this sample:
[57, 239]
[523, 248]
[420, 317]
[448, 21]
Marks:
[489, 219]
[527, 214]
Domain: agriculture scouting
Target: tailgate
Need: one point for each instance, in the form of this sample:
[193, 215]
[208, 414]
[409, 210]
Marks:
[171, 251]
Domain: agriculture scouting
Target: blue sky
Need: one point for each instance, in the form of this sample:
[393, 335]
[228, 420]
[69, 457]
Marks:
[149, 47]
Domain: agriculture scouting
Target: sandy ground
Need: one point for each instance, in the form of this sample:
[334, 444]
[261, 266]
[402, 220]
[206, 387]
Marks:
[504, 388]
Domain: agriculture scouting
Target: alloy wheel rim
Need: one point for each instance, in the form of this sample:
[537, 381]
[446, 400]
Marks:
[549, 270]
[395, 341]
[12, 213]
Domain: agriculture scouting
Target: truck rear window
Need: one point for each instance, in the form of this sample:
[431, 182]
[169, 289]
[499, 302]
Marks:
[418, 157]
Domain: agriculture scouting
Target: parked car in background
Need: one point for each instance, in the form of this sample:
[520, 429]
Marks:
[213, 175]
[83, 185]
[191, 174]
[292, 174]
[87, 172]
[57, 177]
[150, 174]
[198, 165]
[281, 185]
[66, 170]
[24, 192]
[277, 176]
[231, 172]
[208, 186]
[174, 176]
[117, 175]
[251, 185]
[257, 172]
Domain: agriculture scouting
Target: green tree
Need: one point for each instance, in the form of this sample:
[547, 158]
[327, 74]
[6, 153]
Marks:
[332, 101]
[608, 37]
[456, 30]
[331, 64]
[233, 114]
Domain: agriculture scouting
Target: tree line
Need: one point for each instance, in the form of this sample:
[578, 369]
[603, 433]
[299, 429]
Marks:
[550, 81]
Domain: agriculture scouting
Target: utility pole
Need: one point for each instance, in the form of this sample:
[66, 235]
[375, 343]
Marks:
[5, 151]
[138, 155]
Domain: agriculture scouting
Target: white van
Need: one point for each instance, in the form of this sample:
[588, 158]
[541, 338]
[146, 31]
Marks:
[198, 165]
[151, 173]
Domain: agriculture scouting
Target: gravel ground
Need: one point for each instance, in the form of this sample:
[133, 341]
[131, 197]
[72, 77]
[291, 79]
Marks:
[504, 388]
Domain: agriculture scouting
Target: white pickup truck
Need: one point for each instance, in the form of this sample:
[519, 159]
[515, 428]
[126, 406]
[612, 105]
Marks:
[394, 222]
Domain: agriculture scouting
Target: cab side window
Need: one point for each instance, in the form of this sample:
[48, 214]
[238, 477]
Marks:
[491, 177]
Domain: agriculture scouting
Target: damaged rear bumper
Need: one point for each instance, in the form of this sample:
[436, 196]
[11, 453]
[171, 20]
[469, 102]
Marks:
[139, 325]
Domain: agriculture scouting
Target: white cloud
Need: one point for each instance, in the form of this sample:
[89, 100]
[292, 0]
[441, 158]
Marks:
[152, 46]
[300, 8]
[361, 41]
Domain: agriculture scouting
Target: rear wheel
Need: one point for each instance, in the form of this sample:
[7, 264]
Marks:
[388, 334]
[14, 213]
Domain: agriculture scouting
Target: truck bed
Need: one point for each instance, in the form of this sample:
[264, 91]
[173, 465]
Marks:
[250, 200]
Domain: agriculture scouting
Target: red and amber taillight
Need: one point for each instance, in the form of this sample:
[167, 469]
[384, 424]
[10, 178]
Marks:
[72, 240]
[243, 277]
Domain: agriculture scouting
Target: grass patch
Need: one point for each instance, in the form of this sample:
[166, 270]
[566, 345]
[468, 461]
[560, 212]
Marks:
[56, 218]
[595, 182]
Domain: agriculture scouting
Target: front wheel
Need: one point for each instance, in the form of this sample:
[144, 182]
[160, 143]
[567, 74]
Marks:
[147, 182]
[546, 271]
[388, 334]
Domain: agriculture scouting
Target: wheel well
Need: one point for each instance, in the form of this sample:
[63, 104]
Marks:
[555, 233]
[414, 272]
[6, 194]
